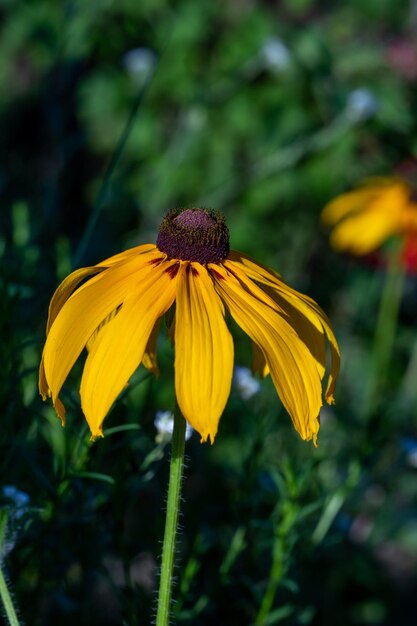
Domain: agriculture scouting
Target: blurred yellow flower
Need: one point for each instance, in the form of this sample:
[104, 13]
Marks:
[362, 220]
[115, 313]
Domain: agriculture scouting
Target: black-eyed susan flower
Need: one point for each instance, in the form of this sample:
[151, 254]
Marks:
[114, 310]
[362, 220]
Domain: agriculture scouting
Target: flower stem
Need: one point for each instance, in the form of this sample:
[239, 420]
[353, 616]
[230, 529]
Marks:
[279, 561]
[4, 589]
[114, 161]
[7, 601]
[385, 331]
[171, 522]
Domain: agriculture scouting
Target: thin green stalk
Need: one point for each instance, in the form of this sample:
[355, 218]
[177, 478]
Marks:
[4, 589]
[7, 601]
[171, 522]
[385, 331]
[275, 577]
[114, 160]
[279, 561]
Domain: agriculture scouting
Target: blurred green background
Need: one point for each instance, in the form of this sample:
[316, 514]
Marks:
[110, 114]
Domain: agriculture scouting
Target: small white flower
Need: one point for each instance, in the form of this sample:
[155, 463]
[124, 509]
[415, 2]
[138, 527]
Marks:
[275, 54]
[246, 384]
[361, 104]
[164, 424]
[139, 62]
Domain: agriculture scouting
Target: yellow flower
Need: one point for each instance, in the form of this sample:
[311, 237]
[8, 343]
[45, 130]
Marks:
[117, 310]
[364, 219]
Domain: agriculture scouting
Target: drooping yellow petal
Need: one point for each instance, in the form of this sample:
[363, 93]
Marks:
[259, 364]
[303, 313]
[294, 310]
[149, 357]
[42, 382]
[81, 315]
[71, 282]
[93, 337]
[334, 346]
[170, 323]
[45, 393]
[251, 267]
[120, 346]
[60, 410]
[128, 254]
[65, 289]
[293, 369]
[61, 295]
[203, 351]
[311, 308]
[307, 327]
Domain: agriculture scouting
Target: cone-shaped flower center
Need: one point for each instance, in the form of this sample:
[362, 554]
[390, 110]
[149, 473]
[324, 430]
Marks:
[194, 235]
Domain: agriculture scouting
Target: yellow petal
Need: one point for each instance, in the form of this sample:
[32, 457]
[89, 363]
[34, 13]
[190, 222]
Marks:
[120, 346]
[65, 289]
[60, 410]
[293, 369]
[298, 315]
[250, 265]
[203, 351]
[149, 357]
[334, 347]
[170, 323]
[364, 233]
[81, 315]
[347, 203]
[303, 313]
[61, 295]
[71, 282]
[45, 393]
[99, 328]
[43, 384]
[128, 254]
[259, 364]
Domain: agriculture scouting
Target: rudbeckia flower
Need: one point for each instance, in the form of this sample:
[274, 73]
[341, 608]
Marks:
[362, 220]
[114, 310]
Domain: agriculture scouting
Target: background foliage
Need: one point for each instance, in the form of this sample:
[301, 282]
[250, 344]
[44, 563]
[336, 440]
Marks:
[111, 113]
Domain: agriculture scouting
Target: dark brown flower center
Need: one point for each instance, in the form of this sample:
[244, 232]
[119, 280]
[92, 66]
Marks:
[194, 235]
